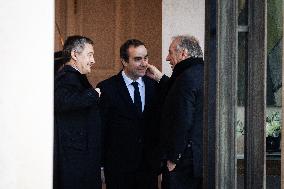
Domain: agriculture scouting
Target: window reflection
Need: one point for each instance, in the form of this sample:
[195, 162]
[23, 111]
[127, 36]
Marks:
[273, 92]
[241, 90]
[242, 12]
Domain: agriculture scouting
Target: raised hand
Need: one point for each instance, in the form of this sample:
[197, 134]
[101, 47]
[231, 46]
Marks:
[154, 73]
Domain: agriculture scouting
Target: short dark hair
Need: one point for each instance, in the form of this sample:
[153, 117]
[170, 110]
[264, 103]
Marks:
[76, 42]
[129, 43]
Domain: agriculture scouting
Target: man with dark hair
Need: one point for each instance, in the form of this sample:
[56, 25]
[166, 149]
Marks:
[182, 114]
[77, 140]
[129, 110]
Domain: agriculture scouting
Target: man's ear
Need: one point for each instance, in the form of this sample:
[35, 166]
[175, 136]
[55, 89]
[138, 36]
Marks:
[124, 63]
[74, 55]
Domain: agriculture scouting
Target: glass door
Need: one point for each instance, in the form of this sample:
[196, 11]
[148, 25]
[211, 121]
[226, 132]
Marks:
[274, 93]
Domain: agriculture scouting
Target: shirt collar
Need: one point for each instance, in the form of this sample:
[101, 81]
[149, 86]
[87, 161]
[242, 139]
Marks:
[128, 81]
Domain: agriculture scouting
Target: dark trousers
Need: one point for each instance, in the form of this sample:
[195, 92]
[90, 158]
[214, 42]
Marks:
[75, 174]
[131, 180]
[182, 176]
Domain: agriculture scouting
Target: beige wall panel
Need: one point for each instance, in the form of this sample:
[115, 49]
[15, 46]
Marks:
[122, 20]
[147, 26]
[97, 21]
[181, 17]
[142, 20]
[60, 15]
[110, 23]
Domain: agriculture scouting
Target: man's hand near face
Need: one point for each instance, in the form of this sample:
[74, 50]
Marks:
[153, 73]
[171, 166]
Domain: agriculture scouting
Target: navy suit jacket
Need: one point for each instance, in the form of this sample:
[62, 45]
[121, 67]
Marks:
[130, 138]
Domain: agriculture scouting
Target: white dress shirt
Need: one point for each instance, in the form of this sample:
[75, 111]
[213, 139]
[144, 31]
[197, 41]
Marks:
[130, 88]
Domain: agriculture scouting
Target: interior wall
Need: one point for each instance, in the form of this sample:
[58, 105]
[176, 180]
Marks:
[181, 17]
[60, 24]
[26, 97]
[110, 23]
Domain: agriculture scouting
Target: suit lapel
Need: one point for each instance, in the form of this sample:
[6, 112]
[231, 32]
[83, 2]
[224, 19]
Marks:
[148, 92]
[123, 92]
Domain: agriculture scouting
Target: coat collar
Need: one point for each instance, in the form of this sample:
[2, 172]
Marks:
[149, 91]
[68, 68]
[83, 77]
[184, 65]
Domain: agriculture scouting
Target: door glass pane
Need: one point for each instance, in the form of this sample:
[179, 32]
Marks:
[241, 89]
[242, 12]
[240, 127]
[273, 93]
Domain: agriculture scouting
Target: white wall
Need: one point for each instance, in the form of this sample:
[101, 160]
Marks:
[26, 94]
[181, 17]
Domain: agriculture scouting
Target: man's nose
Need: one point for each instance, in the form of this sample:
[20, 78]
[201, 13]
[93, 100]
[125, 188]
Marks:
[93, 61]
[168, 58]
[144, 62]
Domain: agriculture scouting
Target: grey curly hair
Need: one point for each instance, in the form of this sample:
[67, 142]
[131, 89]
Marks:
[190, 43]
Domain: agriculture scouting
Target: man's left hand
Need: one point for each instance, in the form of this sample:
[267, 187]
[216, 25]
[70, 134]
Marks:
[171, 166]
[154, 73]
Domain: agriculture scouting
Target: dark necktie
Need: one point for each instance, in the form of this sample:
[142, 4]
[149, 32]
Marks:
[137, 97]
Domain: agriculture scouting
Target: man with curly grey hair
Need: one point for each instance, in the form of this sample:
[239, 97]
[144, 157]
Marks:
[182, 114]
[183, 47]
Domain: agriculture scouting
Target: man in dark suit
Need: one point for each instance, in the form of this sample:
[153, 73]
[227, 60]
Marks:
[77, 131]
[129, 112]
[182, 114]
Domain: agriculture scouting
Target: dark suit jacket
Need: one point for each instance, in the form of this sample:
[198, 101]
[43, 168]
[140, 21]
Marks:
[182, 115]
[130, 138]
[77, 132]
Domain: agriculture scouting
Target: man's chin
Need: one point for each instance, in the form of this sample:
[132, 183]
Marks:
[141, 74]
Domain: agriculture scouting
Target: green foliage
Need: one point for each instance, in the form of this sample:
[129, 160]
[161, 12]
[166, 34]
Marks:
[240, 128]
[273, 125]
[274, 23]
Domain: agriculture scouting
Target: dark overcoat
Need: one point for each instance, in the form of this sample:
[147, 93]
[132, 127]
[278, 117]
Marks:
[182, 114]
[77, 132]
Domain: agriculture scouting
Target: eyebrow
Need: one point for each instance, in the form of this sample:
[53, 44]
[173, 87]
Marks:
[137, 58]
[140, 57]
